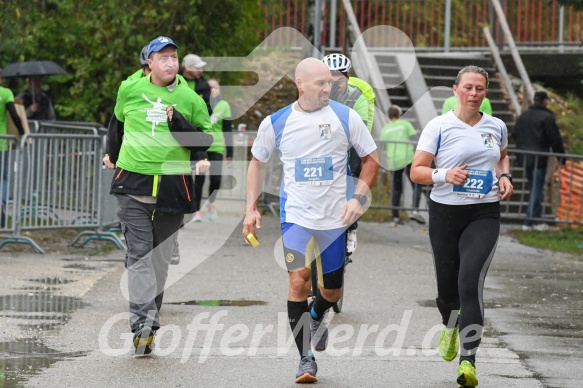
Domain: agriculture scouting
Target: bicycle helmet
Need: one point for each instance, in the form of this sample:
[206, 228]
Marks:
[144, 56]
[338, 62]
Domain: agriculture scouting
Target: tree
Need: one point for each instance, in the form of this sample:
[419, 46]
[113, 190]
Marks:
[577, 4]
[98, 42]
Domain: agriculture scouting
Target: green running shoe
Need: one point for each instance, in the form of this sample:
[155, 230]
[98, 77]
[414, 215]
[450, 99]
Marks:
[448, 343]
[466, 375]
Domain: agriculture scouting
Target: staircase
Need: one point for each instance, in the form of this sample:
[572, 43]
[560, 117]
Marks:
[438, 73]
[442, 70]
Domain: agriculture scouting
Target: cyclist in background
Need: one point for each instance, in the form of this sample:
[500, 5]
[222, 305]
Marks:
[352, 95]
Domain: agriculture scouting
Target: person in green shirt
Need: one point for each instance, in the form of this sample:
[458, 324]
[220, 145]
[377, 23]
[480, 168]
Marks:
[6, 108]
[399, 159]
[451, 102]
[221, 124]
[156, 127]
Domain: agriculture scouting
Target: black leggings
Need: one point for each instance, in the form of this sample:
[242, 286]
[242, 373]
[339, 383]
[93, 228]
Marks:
[463, 240]
[215, 171]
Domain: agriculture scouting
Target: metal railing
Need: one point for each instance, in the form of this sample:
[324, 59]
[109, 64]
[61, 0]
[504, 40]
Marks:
[58, 182]
[562, 203]
[534, 24]
[502, 71]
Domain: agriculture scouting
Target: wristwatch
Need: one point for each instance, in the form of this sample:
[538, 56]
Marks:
[507, 175]
[363, 199]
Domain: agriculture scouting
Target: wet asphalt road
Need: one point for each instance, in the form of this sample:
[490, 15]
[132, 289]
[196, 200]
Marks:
[73, 331]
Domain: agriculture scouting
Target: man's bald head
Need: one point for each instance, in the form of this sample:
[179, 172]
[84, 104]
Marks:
[309, 68]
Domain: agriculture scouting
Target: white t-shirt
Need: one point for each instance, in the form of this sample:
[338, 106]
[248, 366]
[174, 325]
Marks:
[313, 148]
[456, 143]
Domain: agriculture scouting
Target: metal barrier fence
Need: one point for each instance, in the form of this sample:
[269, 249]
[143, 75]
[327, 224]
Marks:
[561, 201]
[58, 182]
[563, 193]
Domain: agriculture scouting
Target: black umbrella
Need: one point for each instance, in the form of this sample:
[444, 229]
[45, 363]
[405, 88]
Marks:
[28, 69]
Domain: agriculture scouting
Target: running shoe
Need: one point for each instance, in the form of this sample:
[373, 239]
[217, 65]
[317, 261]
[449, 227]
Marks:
[175, 259]
[466, 375]
[417, 218]
[351, 241]
[319, 334]
[307, 371]
[211, 215]
[541, 227]
[448, 343]
[396, 222]
[526, 228]
[197, 217]
[144, 340]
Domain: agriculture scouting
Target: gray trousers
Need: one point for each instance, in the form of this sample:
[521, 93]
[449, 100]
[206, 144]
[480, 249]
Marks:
[149, 238]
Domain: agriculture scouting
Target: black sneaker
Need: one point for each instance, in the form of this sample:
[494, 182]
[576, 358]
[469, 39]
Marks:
[307, 371]
[144, 340]
[319, 334]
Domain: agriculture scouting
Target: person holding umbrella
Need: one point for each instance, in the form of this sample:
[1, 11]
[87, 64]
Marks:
[37, 103]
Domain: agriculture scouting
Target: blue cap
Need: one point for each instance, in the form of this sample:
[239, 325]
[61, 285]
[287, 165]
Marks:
[159, 43]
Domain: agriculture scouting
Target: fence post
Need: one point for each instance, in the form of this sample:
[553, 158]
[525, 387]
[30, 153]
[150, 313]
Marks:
[561, 31]
[332, 38]
[447, 26]
[318, 29]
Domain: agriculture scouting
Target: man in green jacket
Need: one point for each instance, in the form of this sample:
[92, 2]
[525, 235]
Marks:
[153, 182]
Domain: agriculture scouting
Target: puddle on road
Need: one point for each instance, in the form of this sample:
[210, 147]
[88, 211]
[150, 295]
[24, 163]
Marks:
[25, 357]
[36, 312]
[39, 288]
[488, 305]
[52, 281]
[80, 266]
[40, 302]
[222, 302]
[39, 311]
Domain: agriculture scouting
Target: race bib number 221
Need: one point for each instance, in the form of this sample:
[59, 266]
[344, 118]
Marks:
[314, 171]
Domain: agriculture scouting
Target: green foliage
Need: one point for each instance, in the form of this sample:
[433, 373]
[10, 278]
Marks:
[561, 240]
[569, 116]
[577, 4]
[98, 43]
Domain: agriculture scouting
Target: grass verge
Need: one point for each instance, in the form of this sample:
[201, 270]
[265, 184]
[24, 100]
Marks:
[562, 240]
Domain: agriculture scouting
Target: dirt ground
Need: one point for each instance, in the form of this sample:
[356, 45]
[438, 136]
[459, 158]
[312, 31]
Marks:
[59, 241]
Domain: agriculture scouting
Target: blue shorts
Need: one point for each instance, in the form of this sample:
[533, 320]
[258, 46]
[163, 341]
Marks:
[301, 246]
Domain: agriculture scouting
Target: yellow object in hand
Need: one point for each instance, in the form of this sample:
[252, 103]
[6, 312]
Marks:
[252, 240]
